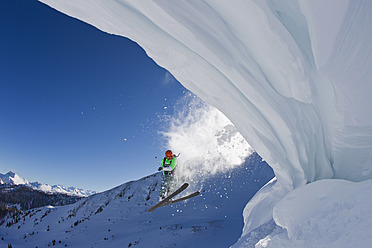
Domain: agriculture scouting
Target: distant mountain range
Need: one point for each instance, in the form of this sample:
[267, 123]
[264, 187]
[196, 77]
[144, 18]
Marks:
[12, 178]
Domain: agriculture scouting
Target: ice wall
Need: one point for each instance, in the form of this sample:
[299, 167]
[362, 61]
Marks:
[293, 76]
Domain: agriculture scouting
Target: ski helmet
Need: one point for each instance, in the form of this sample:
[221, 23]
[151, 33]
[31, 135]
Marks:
[169, 153]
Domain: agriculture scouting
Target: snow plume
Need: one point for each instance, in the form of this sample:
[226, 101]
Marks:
[208, 142]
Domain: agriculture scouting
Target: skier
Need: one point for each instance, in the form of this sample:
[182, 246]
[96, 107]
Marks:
[168, 166]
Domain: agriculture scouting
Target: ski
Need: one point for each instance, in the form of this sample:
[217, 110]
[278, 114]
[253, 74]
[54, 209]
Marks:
[182, 198]
[169, 197]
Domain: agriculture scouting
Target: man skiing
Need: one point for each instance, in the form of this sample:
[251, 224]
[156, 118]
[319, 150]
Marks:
[168, 166]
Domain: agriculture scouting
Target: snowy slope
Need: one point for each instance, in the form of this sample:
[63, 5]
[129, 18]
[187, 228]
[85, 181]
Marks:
[118, 217]
[14, 179]
[293, 76]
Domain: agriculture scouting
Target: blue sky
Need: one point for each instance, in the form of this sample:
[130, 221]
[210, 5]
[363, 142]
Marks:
[78, 107]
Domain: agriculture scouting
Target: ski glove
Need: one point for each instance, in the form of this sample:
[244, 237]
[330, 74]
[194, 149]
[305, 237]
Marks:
[160, 168]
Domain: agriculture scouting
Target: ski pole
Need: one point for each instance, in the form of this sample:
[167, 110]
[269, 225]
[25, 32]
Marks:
[160, 168]
[157, 160]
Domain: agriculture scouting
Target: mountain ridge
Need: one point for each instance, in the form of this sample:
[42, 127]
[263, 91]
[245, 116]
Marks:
[12, 178]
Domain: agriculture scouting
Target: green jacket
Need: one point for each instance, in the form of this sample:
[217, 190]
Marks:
[168, 165]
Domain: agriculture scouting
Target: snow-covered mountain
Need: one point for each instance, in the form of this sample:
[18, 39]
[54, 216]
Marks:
[294, 77]
[14, 179]
[62, 189]
[118, 217]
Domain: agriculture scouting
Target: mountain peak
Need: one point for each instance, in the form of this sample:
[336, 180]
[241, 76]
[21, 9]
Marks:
[11, 173]
[13, 178]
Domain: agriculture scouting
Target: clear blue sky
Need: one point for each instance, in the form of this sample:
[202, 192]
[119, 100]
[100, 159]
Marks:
[69, 97]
